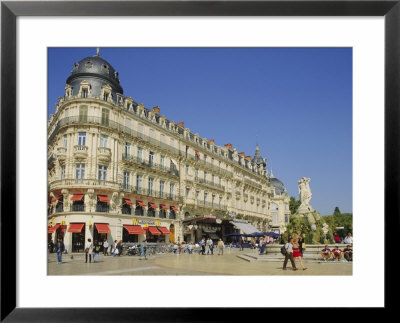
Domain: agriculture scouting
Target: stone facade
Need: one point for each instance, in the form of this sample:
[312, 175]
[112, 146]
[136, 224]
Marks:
[113, 161]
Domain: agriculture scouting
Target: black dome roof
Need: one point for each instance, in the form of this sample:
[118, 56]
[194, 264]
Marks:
[279, 187]
[97, 71]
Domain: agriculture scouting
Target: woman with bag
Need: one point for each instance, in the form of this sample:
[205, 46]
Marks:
[88, 250]
[297, 254]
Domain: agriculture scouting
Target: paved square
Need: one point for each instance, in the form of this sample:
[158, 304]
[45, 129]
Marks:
[189, 264]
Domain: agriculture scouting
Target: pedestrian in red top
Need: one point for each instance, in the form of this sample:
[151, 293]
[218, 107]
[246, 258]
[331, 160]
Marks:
[297, 254]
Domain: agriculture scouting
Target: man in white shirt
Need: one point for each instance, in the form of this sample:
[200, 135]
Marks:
[105, 247]
[289, 255]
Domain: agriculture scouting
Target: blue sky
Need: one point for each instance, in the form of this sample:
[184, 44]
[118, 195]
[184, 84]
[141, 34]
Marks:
[296, 101]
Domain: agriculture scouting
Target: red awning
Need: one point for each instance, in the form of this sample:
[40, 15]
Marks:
[134, 229]
[164, 230]
[197, 153]
[62, 228]
[102, 228]
[56, 198]
[128, 201]
[103, 198]
[140, 203]
[164, 207]
[174, 208]
[76, 227]
[52, 229]
[154, 231]
[77, 197]
[153, 205]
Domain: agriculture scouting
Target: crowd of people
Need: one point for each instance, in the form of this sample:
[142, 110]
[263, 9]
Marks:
[293, 250]
[336, 253]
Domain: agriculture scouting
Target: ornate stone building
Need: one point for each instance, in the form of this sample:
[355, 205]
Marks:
[121, 171]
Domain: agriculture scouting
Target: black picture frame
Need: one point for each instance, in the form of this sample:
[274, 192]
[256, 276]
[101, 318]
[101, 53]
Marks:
[10, 10]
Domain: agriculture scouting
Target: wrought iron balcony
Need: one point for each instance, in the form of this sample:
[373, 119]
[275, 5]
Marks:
[146, 192]
[102, 207]
[140, 161]
[209, 183]
[77, 208]
[72, 182]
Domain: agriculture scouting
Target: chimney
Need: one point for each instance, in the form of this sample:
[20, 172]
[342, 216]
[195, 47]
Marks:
[248, 158]
[241, 154]
[229, 146]
[156, 109]
[211, 141]
[180, 124]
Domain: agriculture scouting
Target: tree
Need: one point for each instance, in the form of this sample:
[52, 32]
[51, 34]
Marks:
[337, 211]
[293, 205]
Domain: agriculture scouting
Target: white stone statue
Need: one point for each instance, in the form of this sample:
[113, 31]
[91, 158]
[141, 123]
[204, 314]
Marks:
[304, 192]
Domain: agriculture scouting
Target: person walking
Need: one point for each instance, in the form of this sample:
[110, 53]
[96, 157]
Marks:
[212, 246]
[143, 249]
[302, 244]
[297, 253]
[88, 250]
[203, 246]
[96, 250]
[105, 247]
[263, 244]
[115, 249]
[119, 247]
[221, 247]
[289, 255]
[190, 248]
[59, 248]
[180, 247]
[241, 243]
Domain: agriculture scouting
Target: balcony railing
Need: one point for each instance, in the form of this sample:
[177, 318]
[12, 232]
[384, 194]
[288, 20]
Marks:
[140, 161]
[252, 183]
[113, 125]
[60, 207]
[77, 208]
[209, 183]
[147, 192]
[102, 208]
[117, 126]
[82, 182]
[126, 210]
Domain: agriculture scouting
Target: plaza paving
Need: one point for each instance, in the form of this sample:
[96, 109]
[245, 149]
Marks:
[188, 264]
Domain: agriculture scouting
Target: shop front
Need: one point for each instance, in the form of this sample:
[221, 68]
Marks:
[100, 233]
[59, 231]
[152, 229]
[131, 233]
[77, 231]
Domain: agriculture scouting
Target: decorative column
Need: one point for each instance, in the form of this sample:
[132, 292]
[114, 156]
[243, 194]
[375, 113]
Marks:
[66, 199]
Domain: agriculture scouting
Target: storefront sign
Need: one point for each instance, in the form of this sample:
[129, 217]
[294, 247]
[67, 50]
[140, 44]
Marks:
[136, 221]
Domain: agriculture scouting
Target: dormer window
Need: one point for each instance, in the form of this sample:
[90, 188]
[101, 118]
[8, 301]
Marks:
[106, 96]
[89, 64]
[84, 93]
